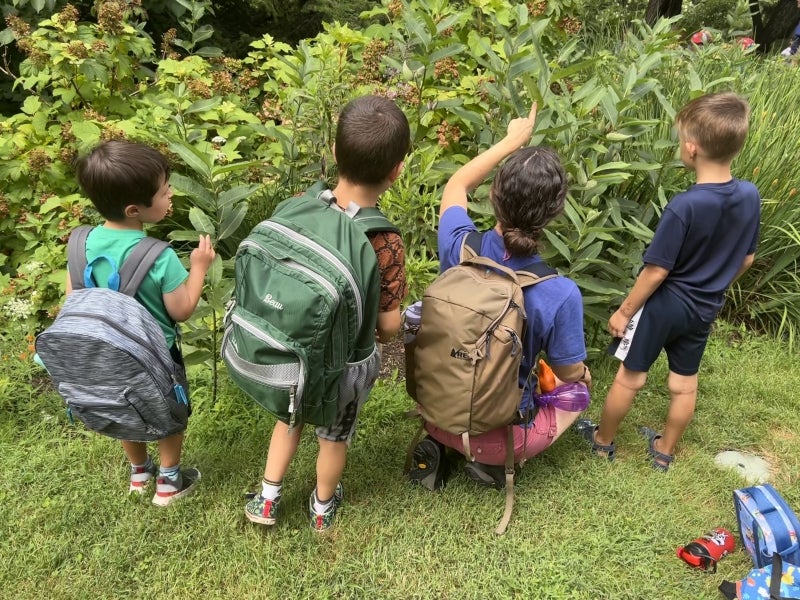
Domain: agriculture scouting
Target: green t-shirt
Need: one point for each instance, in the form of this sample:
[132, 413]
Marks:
[164, 277]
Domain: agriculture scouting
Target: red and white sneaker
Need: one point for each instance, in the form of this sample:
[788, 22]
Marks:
[141, 478]
[169, 490]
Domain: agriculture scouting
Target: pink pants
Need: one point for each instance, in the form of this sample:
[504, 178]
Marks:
[490, 448]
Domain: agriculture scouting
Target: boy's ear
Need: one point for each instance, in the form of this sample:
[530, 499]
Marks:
[395, 173]
[691, 149]
[333, 151]
[131, 211]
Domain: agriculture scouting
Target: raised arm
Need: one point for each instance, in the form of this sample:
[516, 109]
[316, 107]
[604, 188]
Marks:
[470, 176]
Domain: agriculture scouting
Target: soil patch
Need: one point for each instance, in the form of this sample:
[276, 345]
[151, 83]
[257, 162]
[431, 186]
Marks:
[394, 357]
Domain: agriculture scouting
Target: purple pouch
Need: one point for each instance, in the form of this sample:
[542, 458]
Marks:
[572, 397]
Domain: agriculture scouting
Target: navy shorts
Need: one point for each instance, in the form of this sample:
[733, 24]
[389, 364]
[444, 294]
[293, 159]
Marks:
[664, 322]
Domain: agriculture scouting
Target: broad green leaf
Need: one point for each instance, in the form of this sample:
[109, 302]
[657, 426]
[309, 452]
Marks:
[598, 286]
[611, 166]
[196, 192]
[451, 50]
[209, 52]
[203, 105]
[214, 273]
[232, 221]
[199, 162]
[558, 244]
[202, 222]
[617, 137]
[235, 194]
[183, 235]
[31, 105]
[86, 131]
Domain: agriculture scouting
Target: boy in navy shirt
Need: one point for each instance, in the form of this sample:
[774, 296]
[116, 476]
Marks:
[705, 240]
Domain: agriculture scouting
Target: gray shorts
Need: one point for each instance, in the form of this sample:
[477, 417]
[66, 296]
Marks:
[354, 388]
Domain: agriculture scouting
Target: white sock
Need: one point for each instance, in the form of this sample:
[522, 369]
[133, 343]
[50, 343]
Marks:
[321, 507]
[270, 490]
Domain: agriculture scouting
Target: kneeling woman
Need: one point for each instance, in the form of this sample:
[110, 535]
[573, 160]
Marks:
[527, 193]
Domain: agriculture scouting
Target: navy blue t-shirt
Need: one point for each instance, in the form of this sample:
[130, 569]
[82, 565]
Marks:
[554, 307]
[702, 240]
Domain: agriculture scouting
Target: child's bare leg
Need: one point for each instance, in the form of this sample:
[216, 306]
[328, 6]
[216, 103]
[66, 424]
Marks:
[330, 466]
[169, 450]
[618, 403]
[135, 451]
[282, 448]
[683, 398]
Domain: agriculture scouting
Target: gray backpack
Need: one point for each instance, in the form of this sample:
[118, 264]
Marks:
[107, 355]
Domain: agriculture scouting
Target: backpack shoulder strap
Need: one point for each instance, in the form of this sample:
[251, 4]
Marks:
[372, 219]
[536, 273]
[76, 255]
[138, 264]
[528, 275]
[471, 245]
[775, 578]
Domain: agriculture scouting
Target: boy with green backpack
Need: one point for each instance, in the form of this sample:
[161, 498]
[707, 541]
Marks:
[296, 249]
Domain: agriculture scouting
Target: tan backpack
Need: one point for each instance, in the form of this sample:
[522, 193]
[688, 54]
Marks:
[463, 365]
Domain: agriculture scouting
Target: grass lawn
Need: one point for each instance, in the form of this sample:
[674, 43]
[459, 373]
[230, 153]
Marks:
[582, 528]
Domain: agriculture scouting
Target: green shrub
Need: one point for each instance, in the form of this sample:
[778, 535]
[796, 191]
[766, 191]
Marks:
[244, 134]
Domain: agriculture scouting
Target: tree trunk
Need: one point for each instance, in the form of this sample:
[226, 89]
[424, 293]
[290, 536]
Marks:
[661, 8]
[773, 26]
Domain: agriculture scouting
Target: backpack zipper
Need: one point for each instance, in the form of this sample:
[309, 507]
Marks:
[297, 267]
[327, 255]
[335, 297]
[271, 341]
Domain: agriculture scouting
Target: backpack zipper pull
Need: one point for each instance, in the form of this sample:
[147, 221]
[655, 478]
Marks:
[180, 393]
[292, 408]
[229, 306]
[516, 346]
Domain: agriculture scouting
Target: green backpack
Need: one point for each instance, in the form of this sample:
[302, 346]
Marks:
[305, 305]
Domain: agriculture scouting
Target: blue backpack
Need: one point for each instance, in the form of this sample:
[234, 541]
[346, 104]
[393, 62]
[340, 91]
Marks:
[767, 525]
[778, 580]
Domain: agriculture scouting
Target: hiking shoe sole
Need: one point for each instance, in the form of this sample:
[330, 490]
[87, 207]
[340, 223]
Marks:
[492, 476]
[428, 469]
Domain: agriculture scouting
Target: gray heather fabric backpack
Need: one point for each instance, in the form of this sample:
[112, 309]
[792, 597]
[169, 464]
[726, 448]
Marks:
[107, 355]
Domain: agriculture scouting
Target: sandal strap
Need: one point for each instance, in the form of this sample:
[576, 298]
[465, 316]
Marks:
[587, 430]
[661, 461]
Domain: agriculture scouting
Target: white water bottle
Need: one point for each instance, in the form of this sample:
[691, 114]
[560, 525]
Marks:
[411, 320]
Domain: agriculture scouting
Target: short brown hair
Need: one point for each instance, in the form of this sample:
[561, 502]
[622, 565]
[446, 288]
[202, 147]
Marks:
[118, 173]
[718, 123]
[372, 138]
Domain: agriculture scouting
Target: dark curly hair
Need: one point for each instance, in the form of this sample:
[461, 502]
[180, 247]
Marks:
[527, 193]
[116, 174]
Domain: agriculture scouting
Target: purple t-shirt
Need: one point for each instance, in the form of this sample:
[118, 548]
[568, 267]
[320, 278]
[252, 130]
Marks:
[702, 239]
[554, 307]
